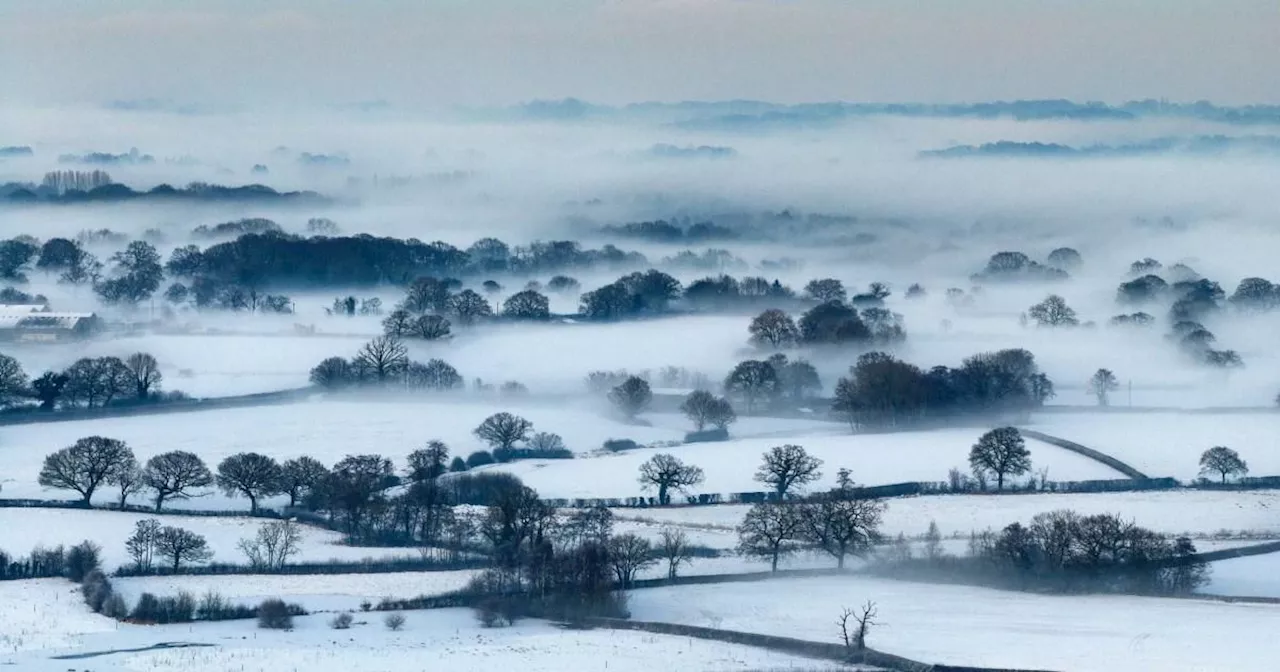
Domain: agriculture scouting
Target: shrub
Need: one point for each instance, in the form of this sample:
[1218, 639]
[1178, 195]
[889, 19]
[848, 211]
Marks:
[479, 459]
[115, 607]
[618, 445]
[394, 622]
[366, 605]
[82, 559]
[342, 621]
[458, 465]
[274, 614]
[706, 435]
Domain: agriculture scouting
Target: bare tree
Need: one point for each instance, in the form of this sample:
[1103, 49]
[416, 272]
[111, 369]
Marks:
[629, 554]
[179, 546]
[427, 463]
[665, 472]
[546, 442]
[1102, 384]
[841, 525]
[704, 408]
[632, 396]
[142, 543]
[855, 634]
[773, 329]
[172, 475]
[1224, 461]
[128, 479]
[301, 477]
[383, 358]
[274, 544]
[770, 530]
[468, 307]
[503, 430]
[430, 327]
[673, 546]
[788, 466]
[85, 465]
[1053, 312]
[398, 323]
[1001, 452]
[250, 474]
[753, 381]
[13, 381]
[933, 542]
[394, 622]
[145, 372]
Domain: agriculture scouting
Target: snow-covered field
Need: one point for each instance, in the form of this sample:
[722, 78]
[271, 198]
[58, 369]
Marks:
[44, 614]
[1173, 512]
[448, 639]
[730, 466]
[330, 592]
[325, 430]
[977, 626]
[24, 529]
[1256, 576]
[1170, 444]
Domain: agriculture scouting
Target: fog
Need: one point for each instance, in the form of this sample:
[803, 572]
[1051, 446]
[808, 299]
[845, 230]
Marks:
[459, 177]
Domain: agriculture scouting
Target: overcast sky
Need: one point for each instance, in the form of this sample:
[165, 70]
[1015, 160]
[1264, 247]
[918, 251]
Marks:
[441, 52]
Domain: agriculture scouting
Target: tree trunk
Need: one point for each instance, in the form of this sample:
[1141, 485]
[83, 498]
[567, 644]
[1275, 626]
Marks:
[840, 560]
[999, 480]
[159, 501]
[662, 494]
[253, 505]
[1224, 477]
[773, 566]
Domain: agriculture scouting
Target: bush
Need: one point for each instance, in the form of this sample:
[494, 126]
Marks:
[96, 590]
[82, 559]
[707, 435]
[274, 614]
[479, 459]
[342, 621]
[394, 622]
[618, 445]
[115, 607]
[458, 465]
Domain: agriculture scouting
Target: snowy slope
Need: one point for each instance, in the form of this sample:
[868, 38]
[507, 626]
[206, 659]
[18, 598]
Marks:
[730, 466]
[1170, 444]
[1257, 576]
[976, 626]
[44, 614]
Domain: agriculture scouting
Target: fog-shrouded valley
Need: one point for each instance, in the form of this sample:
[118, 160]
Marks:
[566, 374]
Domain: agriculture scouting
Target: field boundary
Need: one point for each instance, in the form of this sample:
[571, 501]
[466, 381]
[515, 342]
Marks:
[288, 396]
[1086, 451]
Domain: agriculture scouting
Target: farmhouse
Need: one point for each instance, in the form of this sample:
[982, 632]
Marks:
[35, 324]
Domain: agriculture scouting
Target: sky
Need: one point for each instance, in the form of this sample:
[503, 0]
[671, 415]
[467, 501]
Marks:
[425, 53]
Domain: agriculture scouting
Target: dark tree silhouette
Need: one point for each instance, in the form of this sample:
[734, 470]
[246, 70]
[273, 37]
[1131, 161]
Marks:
[770, 530]
[666, 472]
[841, 525]
[704, 408]
[174, 474]
[145, 373]
[85, 465]
[1001, 452]
[1102, 384]
[503, 430]
[1224, 461]
[526, 305]
[301, 478]
[469, 307]
[333, 373]
[383, 357]
[787, 467]
[773, 329]
[252, 475]
[1053, 312]
[752, 381]
[632, 396]
[825, 290]
[427, 463]
[13, 381]
[181, 546]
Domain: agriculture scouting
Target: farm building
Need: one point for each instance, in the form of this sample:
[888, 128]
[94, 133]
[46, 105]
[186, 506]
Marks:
[39, 324]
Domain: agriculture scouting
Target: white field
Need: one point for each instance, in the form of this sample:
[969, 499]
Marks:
[329, 592]
[325, 430]
[730, 466]
[1177, 512]
[1257, 575]
[439, 639]
[24, 529]
[977, 626]
[44, 614]
[1170, 444]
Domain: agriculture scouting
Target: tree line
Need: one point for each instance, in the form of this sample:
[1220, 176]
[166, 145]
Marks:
[90, 382]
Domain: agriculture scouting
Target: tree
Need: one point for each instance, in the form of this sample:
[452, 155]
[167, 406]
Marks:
[172, 475]
[788, 466]
[825, 290]
[773, 329]
[563, 284]
[48, 388]
[128, 479]
[632, 396]
[527, 305]
[841, 524]
[394, 622]
[332, 373]
[383, 357]
[13, 381]
[273, 545]
[427, 294]
[58, 254]
[770, 530]
[1224, 461]
[629, 554]
[15, 253]
[798, 379]
[753, 381]
[1102, 384]
[430, 327]
[856, 638]
[137, 274]
[546, 442]
[703, 408]
[398, 323]
[1001, 452]
[250, 474]
[1053, 312]
[503, 430]
[933, 542]
[142, 543]
[1065, 258]
[469, 307]
[355, 483]
[96, 381]
[833, 323]
[302, 477]
[426, 464]
[145, 373]
[179, 546]
[673, 546]
[274, 614]
[666, 472]
[85, 465]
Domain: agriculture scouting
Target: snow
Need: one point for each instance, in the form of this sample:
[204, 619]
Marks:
[1255, 575]
[730, 466]
[1170, 444]
[329, 592]
[1193, 512]
[326, 430]
[44, 614]
[962, 625]
[26, 528]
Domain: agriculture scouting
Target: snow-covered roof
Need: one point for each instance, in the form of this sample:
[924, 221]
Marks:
[37, 320]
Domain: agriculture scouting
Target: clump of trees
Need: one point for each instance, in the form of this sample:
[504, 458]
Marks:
[384, 363]
[1004, 267]
[90, 382]
[773, 381]
[882, 391]
[704, 408]
[839, 523]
